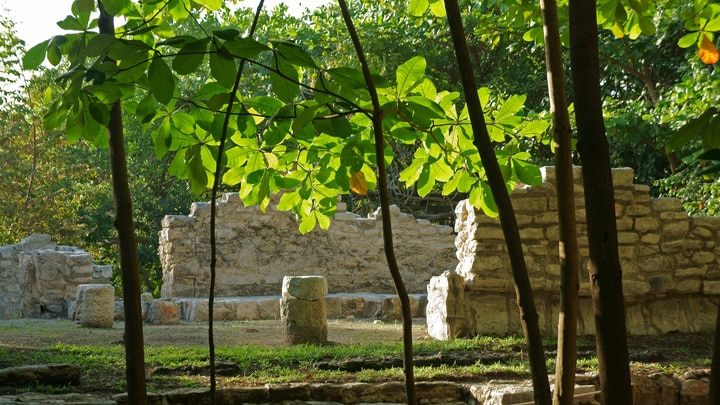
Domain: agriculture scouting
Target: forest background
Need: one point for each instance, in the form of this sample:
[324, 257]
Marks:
[655, 87]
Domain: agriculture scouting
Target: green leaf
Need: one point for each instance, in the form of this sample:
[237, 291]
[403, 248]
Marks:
[99, 112]
[295, 54]
[285, 86]
[34, 57]
[688, 40]
[223, 69]
[227, 34]
[190, 57]
[307, 224]
[196, 173]
[713, 25]
[418, 7]
[213, 5]
[410, 74]
[690, 130]
[247, 48]
[347, 77]
[114, 7]
[352, 157]
[509, 108]
[526, 172]
[162, 138]
[71, 23]
[161, 81]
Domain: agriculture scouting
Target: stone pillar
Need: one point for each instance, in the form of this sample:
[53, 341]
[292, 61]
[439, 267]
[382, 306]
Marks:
[447, 312]
[95, 306]
[302, 309]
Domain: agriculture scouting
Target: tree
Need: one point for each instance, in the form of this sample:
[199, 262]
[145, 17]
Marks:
[604, 266]
[569, 256]
[501, 197]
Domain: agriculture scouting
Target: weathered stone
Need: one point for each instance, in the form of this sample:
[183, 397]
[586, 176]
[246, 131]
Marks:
[43, 374]
[695, 391]
[303, 321]
[656, 389]
[447, 309]
[95, 305]
[163, 312]
[305, 287]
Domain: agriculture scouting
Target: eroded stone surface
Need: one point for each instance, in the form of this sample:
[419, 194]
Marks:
[670, 262]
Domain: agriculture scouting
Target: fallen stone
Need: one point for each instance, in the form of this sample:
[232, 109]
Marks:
[63, 399]
[43, 374]
[95, 305]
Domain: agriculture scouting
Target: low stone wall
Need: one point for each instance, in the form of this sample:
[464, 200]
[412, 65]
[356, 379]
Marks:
[256, 250]
[39, 278]
[671, 271]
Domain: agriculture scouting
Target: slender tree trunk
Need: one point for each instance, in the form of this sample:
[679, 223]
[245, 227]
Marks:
[481, 140]
[604, 268]
[714, 397]
[130, 269]
[377, 119]
[569, 262]
[213, 212]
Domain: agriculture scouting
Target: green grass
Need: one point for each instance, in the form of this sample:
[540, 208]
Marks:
[103, 364]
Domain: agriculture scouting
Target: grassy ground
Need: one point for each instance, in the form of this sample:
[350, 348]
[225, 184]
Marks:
[254, 353]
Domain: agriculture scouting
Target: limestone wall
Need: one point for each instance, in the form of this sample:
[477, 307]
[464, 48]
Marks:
[40, 278]
[256, 250]
[671, 267]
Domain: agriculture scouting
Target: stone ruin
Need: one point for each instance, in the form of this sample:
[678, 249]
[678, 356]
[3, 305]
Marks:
[38, 278]
[462, 283]
[256, 250]
[670, 262]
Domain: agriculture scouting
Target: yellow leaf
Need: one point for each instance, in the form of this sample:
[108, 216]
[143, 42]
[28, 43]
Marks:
[708, 51]
[358, 185]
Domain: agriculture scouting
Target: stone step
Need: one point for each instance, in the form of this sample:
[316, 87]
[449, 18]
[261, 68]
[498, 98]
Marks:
[359, 305]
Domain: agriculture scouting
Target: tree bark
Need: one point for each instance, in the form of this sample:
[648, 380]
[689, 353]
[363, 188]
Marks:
[604, 267]
[569, 262]
[377, 120]
[714, 397]
[508, 222]
[129, 266]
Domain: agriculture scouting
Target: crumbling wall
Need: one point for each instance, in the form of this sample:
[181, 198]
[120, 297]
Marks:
[39, 278]
[256, 250]
[671, 271]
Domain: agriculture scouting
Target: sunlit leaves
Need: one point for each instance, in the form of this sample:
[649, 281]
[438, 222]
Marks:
[409, 75]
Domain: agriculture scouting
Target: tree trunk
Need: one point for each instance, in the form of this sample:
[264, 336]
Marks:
[569, 262]
[377, 119]
[714, 397]
[604, 268]
[481, 140]
[130, 269]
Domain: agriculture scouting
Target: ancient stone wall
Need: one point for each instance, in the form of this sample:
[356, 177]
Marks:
[256, 250]
[40, 278]
[671, 266]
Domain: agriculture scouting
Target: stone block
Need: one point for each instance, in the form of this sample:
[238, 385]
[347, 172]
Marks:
[246, 309]
[491, 313]
[644, 225]
[447, 310]
[95, 305]
[303, 321]
[695, 391]
[656, 389]
[305, 287]
[667, 204]
[163, 312]
[711, 287]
